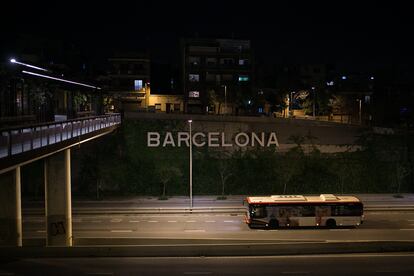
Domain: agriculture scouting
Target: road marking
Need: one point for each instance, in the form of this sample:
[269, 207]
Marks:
[41, 231]
[195, 231]
[121, 231]
[116, 220]
[210, 221]
[190, 221]
[172, 221]
[134, 221]
[229, 221]
[153, 221]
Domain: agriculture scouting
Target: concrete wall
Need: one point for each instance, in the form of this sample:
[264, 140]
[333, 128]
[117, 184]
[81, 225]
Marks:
[330, 137]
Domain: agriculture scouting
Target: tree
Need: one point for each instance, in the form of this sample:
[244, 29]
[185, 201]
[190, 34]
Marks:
[166, 174]
[224, 172]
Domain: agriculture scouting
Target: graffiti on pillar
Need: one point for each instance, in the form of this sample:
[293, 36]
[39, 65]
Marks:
[57, 228]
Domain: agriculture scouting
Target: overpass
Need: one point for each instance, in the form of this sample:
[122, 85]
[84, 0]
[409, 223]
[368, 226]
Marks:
[51, 142]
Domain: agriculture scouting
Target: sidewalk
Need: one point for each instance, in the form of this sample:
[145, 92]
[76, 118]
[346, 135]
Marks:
[368, 199]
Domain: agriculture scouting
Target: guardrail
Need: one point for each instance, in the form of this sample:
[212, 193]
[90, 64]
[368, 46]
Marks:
[16, 140]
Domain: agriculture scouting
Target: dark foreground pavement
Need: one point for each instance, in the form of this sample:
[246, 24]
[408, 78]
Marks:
[343, 264]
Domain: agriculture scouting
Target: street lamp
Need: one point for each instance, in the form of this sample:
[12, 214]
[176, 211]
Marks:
[13, 60]
[191, 167]
[225, 98]
[314, 99]
[291, 102]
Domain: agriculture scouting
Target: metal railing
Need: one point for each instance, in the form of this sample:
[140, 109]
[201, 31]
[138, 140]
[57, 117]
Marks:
[16, 140]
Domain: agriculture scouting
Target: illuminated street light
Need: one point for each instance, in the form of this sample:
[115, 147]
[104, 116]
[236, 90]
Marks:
[314, 99]
[191, 167]
[59, 79]
[13, 60]
[225, 98]
[291, 102]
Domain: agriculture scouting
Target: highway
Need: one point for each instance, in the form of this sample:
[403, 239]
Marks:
[338, 264]
[226, 227]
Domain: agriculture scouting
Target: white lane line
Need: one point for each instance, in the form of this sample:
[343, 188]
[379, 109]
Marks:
[41, 231]
[153, 221]
[121, 231]
[230, 221]
[191, 221]
[134, 221]
[195, 231]
[210, 221]
[172, 221]
[116, 220]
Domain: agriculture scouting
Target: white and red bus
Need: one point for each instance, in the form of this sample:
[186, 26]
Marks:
[325, 210]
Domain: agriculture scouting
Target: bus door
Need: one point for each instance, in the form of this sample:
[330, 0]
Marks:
[320, 213]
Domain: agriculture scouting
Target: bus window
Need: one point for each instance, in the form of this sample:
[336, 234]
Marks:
[307, 211]
[257, 211]
[347, 210]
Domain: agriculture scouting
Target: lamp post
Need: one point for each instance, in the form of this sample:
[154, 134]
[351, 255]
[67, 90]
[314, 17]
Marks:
[191, 167]
[291, 102]
[314, 99]
[360, 111]
[225, 98]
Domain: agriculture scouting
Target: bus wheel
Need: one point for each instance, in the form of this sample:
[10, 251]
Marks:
[273, 224]
[331, 223]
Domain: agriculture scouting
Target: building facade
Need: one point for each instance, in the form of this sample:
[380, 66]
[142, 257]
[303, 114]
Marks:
[126, 81]
[216, 75]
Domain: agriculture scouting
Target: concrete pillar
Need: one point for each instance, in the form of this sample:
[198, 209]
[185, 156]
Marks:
[58, 209]
[10, 209]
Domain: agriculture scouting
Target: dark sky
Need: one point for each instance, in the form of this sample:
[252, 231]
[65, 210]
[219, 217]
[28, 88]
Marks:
[352, 33]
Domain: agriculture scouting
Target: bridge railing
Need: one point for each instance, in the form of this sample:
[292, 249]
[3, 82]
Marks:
[16, 140]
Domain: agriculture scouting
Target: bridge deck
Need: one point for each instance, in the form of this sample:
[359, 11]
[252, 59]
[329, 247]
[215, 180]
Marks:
[21, 143]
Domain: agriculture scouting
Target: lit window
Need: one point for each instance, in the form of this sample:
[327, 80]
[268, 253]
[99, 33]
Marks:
[194, 77]
[243, 78]
[194, 94]
[243, 61]
[158, 106]
[137, 85]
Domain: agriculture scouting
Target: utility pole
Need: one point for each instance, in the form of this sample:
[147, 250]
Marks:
[191, 167]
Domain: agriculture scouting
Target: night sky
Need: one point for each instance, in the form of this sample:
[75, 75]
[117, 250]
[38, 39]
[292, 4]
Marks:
[346, 33]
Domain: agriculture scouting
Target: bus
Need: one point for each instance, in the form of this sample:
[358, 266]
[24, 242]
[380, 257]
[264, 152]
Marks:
[325, 210]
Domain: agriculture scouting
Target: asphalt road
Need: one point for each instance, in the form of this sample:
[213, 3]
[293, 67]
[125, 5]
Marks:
[339, 264]
[176, 228]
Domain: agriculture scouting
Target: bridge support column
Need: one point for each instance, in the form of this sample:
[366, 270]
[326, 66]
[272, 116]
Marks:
[58, 209]
[10, 208]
